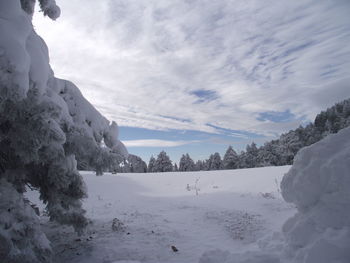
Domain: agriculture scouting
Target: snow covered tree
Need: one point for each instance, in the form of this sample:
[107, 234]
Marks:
[48, 7]
[151, 164]
[206, 164]
[230, 160]
[176, 169]
[186, 163]
[45, 125]
[163, 163]
[199, 166]
[136, 164]
[242, 160]
[215, 162]
[103, 159]
[251, 158]
[268, 154]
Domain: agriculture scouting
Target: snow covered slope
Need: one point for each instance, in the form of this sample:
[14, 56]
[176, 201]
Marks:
[195, 212]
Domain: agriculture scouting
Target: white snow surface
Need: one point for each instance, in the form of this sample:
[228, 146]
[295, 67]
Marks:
[319, 185]
[207, 216]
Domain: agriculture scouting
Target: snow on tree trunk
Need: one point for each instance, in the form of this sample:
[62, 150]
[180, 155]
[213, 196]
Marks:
[45, 125]
[319, 185]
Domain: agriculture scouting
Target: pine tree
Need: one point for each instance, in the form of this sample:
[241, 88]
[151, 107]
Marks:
[186, 163]
[163, 163]
[134, 164]
[199, 166]
[230, 160]
[251, 158]
[46, 126]
[215, 162]
[137, 165]
[151, 165]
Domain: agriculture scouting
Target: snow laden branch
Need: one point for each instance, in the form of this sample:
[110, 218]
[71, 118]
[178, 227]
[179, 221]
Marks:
[48, 7]
[46, 128]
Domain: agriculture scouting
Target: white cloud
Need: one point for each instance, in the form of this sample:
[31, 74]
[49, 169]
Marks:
[155, 143]
[138, 61]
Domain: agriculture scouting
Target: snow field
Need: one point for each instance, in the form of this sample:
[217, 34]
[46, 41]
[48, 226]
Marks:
[195, 212]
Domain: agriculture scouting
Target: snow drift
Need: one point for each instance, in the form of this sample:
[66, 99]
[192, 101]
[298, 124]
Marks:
[319, 185]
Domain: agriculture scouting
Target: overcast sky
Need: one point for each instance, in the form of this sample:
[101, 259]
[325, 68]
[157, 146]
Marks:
[195, 76]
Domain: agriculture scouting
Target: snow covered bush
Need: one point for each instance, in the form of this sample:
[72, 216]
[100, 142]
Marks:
[46, 125]
[319, 185]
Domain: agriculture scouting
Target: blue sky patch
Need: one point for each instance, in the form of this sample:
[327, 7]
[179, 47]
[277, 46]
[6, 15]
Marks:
[276, 116]
[200, 144]
[205, 95]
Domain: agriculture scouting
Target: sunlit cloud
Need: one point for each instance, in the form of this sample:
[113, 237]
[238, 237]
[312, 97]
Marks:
[186, 64]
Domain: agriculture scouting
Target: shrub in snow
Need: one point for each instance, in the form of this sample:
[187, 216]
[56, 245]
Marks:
[319, 185]
[45, 125]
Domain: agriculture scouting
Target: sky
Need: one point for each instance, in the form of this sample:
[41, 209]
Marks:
[195, 76]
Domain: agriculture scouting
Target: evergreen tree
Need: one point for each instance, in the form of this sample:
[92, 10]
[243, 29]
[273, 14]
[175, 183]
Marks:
[46, 127]
[163, 163]
[242, 160]
[215, 162]
[199, 166]
[230, 160]
[251, 157]
[186, 163]
[151, 165]
[135, 164]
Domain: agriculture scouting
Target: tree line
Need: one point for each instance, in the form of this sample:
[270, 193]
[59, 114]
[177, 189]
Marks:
[273, 153]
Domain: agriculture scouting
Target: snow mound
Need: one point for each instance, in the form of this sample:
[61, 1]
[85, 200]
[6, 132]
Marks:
[319, 185]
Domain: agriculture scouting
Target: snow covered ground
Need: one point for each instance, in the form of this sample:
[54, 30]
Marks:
[175, 217]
